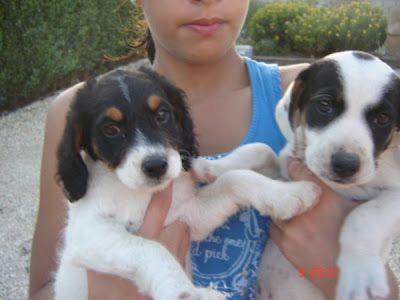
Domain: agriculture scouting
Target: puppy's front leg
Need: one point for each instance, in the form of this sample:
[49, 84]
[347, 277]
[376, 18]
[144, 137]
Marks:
[214, 203]
[255, 156]
[362, 272]
[100, 244]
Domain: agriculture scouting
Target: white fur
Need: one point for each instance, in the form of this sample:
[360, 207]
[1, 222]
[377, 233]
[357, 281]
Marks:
[367, 232]
[99, 235]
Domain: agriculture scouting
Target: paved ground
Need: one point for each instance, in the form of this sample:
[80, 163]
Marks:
[21, 138]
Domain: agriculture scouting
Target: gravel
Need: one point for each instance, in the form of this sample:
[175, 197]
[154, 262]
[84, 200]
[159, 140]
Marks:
[21, 138]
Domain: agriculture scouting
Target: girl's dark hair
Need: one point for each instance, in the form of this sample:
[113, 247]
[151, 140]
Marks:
[148, 41]
[136, 49]
[141, 42]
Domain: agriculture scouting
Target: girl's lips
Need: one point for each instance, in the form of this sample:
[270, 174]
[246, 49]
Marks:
[206, 26]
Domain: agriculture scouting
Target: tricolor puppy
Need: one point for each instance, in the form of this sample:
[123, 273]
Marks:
[129, 135]
[341, 117]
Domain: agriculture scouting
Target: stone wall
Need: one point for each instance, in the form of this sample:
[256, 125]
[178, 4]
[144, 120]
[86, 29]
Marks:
[393, 39]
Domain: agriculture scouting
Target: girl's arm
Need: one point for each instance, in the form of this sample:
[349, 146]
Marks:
[52, 209]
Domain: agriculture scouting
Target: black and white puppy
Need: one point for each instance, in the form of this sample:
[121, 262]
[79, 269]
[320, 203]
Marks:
[341, 117]
[129, 135]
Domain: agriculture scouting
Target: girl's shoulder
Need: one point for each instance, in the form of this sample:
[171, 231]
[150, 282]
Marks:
[60, 105]
[287, 73]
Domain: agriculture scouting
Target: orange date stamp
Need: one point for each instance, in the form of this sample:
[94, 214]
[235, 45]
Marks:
[318, 272]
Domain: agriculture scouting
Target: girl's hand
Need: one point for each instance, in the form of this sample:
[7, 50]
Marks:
[175, 237]
[310, 240]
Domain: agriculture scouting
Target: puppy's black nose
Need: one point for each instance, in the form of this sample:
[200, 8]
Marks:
[345, 164]
[155, 167]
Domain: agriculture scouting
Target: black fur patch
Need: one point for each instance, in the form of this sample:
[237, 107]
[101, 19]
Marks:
[384, 118]
[317, 97]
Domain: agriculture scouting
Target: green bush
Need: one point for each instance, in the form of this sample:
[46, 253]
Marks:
[358, 26]
[46, 43]
[253, 7]
[307, 32]
[317, 31]
[270, 46]
[270, 22]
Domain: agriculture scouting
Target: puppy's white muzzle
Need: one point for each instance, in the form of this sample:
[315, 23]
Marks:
[151, 166]
[341, 157]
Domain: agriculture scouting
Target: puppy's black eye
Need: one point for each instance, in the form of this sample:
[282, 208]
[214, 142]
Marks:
[162, 116]
[111, 130]
[325, 106]
[382, 119]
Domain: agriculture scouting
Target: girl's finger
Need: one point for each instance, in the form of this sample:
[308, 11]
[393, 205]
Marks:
[298, 171]
[156, 214]
[176, 237]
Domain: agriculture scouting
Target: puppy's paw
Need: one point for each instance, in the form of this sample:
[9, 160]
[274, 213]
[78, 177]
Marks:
[205, 169]
[295, 198]
[361, 277]
[202, 294]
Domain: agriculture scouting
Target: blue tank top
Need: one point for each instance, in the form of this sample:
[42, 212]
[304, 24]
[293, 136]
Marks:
[229, 257]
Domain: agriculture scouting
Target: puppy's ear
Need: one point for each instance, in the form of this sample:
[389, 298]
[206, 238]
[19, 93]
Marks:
[72, 173]
[398, 101]
[282, 113]
[296, 93]
[187, 144]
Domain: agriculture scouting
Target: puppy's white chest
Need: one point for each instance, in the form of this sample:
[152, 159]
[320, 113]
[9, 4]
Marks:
[108, 197]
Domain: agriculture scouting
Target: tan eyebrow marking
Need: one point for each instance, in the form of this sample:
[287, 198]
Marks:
[114, 114]
[154, 102]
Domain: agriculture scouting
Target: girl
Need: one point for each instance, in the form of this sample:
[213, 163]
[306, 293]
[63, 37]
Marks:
[232, 101]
